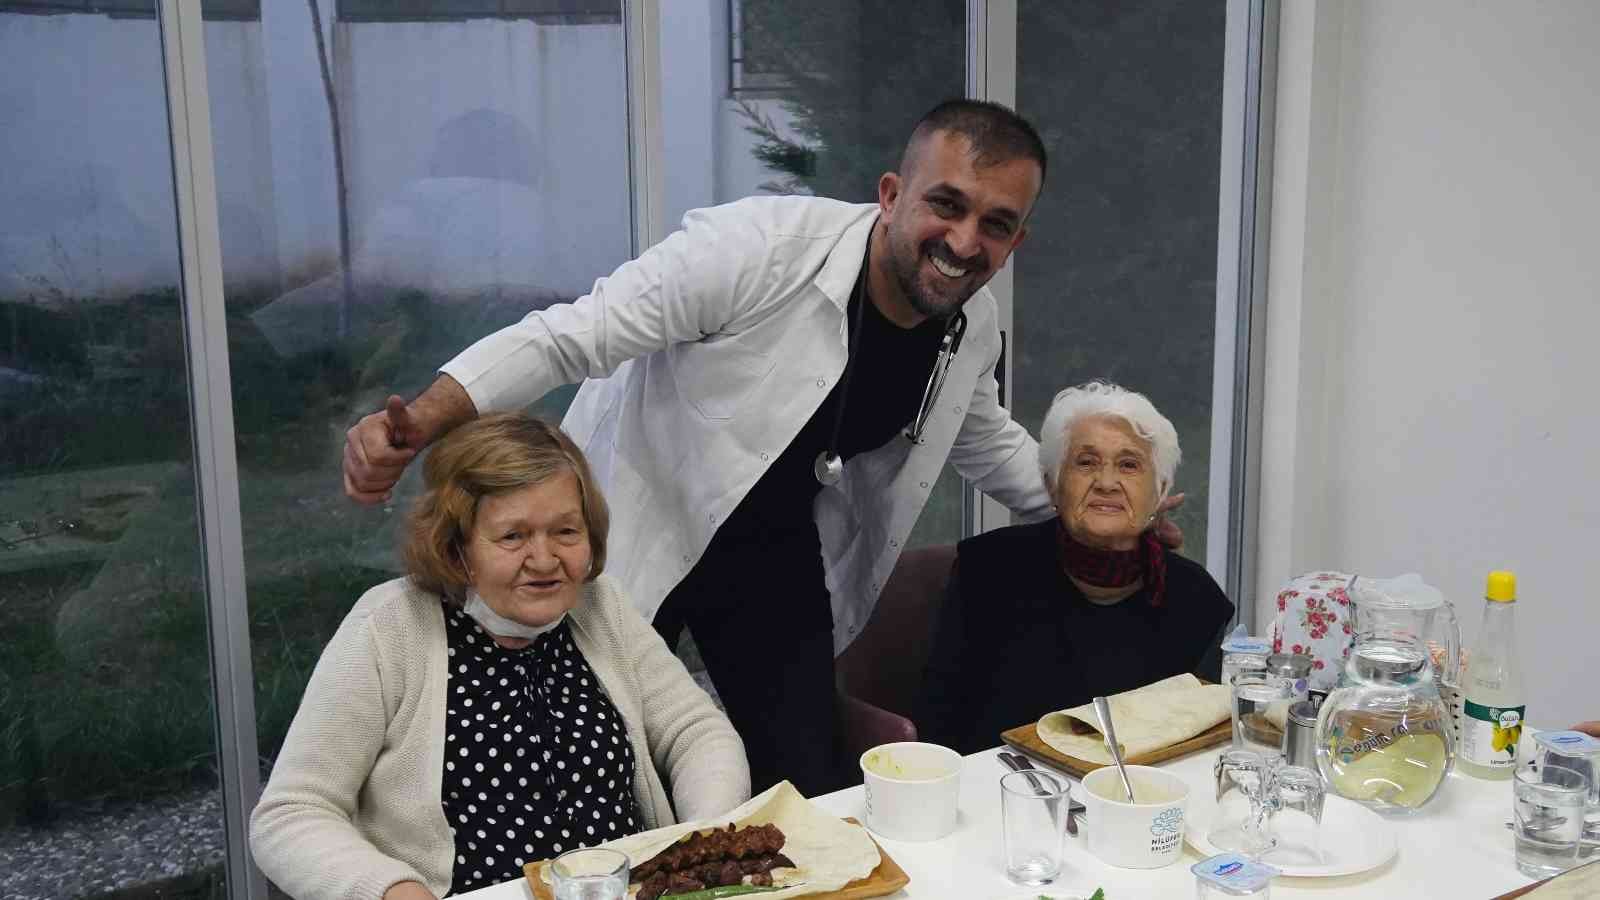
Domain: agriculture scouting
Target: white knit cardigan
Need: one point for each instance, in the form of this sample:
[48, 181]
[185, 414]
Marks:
[353, 805]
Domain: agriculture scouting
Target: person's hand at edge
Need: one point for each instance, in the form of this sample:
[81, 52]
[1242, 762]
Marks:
[1590, 728]
[378, 448]
[1167, 531]
[408, 890]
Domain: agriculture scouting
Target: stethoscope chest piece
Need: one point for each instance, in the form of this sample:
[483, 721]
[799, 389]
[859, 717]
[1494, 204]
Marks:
[828, 468]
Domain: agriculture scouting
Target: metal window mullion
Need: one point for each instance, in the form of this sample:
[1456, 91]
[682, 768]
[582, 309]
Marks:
[992, 75]
[1221, 503]
[641, 23]
[211, 410]
[1245, 197]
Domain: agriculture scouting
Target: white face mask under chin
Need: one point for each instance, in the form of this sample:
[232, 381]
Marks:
[499, 625]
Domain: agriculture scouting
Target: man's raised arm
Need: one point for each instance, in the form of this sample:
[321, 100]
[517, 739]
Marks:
[378, 448]
[693, 283]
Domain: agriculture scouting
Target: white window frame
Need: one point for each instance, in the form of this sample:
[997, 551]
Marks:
[216, 465]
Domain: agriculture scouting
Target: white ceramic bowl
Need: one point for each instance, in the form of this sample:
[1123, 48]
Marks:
[912, 790]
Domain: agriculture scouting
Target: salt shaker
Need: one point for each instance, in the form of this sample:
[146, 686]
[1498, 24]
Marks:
[1300, 735]
[1293, 668]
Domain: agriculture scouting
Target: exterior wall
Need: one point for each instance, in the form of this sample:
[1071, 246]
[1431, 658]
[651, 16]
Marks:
[477, 152]
[83, 214]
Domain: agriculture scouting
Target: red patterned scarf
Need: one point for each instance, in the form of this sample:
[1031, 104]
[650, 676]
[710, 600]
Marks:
[1116, 568]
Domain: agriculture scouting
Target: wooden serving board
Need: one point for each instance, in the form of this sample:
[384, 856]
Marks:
[887, 878]
[1586, 876]
[1026, 738]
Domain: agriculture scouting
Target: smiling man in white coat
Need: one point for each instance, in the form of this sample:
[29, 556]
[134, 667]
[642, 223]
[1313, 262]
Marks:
[768, 397]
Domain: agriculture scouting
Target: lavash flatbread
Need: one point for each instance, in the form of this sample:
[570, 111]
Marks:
[1146, 719]
[828, 852]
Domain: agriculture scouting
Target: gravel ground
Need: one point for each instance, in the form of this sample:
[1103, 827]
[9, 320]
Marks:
[97, 849]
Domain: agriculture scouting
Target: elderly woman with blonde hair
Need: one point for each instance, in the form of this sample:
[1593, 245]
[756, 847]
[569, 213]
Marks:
[502, 704]
[1047, 616]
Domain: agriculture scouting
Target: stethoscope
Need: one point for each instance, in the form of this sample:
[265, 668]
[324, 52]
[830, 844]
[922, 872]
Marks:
[829, 468]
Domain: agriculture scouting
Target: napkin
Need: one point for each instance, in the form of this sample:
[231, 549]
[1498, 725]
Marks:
[1146, 719]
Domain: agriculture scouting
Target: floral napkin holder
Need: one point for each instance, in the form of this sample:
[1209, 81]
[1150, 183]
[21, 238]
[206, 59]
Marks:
[1314, 618]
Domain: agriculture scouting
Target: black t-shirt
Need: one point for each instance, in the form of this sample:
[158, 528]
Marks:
[888, 374]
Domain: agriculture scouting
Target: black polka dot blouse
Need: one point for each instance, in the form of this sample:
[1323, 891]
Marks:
[537, 760]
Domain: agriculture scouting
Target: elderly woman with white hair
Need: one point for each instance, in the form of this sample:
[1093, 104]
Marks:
[1049, 615]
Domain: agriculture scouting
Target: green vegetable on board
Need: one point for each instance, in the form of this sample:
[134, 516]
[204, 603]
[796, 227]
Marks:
[727, 890]
[1099, 894]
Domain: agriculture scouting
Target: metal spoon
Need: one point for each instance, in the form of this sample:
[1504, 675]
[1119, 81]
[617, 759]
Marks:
[1102, 711]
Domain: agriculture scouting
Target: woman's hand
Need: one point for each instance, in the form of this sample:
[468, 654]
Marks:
[1590, 728]
[408, 890]
[1167, 531]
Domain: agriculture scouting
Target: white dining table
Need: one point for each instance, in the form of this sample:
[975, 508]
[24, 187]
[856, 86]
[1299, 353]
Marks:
[1457, 847]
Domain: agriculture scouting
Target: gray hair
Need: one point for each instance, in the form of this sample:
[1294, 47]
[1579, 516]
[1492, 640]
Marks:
[1102, 398]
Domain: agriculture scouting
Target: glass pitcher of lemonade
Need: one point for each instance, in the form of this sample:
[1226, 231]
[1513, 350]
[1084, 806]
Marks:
[1384, 736]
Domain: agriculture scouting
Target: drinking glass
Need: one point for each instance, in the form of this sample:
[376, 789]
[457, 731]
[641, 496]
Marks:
[1548, 810]
[1255, 694]
[1241, 820]
[590, 874]
[1581, 753]
[1295, 797]
[1034, 816]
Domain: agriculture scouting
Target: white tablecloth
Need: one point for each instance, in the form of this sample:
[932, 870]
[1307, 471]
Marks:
[1457, 847]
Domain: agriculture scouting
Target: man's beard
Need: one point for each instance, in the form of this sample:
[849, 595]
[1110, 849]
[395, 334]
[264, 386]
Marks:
[907, 266]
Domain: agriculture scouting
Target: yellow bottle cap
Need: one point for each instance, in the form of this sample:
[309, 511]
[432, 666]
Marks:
[1502, 587]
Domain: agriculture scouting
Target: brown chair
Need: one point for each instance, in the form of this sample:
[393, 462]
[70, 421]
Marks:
[879, 676]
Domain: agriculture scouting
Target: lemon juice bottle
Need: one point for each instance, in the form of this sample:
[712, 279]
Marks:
[1495, 704]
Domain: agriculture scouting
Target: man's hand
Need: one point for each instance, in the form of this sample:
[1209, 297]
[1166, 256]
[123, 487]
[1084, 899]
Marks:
[376, 451]
[1590, 728]
[378, 448]
[407, 890]
[1167, 531]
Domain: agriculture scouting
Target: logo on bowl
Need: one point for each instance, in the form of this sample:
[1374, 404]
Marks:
[1168, 821]
[1228, 868]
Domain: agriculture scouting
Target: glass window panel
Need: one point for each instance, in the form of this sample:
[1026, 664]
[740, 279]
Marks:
[798, 96]
[483, 174]
[107, 728]
[209, 9]
[549, 11]
[1118, 276]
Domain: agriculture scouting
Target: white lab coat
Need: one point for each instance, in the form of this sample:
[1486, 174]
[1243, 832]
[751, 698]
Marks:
[703, 359]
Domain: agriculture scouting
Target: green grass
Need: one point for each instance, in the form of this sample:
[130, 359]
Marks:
[128, 713]
[73, 731]
[120, 704]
